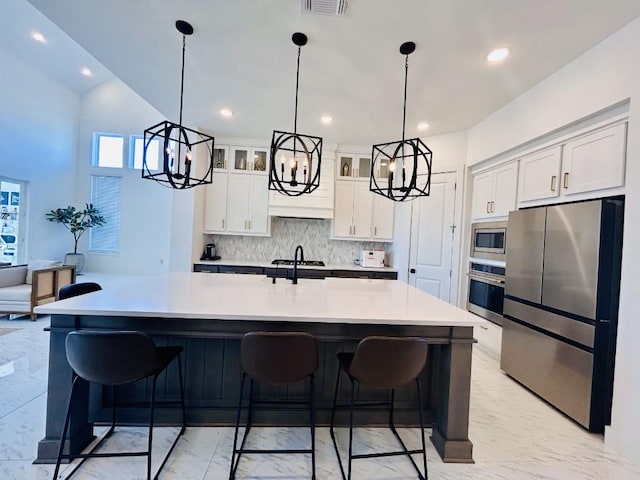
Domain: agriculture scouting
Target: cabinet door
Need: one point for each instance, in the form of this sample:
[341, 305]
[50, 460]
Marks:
[595, 161]
[346, 165]
[505, 187]
[240, 161]
[259, 160]
[238, 203]
[220, 158]
[383, 210]
[540, 175]
[482, 194]
[215, 211]
[362, 210]
[343, 213]
[259, 217]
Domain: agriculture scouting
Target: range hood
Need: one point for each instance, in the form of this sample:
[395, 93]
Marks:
[317, 204]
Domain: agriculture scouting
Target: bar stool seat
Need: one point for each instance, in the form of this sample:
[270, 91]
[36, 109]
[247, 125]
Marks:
[382, 362]
[276, 358]
[75, 289]
[112, 359]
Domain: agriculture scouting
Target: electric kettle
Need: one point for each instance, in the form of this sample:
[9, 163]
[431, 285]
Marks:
[209, 252]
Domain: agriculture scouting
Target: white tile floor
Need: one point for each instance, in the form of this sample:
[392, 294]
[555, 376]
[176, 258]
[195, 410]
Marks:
[515, 435]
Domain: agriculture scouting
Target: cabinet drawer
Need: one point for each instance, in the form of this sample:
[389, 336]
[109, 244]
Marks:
[241, 269]
[201, 267]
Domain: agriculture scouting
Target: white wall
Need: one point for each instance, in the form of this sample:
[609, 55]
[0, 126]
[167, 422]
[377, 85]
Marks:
[146, 207]
[38, 129]
[606, 75]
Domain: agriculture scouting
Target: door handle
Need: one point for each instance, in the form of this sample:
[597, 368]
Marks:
[553, 183]
[223, 223]
[412, 270]
[375, 231]
[493, 204]
[565, 180]
[354, 229]
[488, 203]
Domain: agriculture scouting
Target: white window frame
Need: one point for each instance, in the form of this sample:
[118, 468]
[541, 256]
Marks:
[132, 152]
[94, 149]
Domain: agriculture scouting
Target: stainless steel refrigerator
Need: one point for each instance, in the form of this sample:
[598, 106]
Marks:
[561, 305]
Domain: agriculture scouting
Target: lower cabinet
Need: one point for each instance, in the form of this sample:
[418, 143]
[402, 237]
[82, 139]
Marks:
[287, 272]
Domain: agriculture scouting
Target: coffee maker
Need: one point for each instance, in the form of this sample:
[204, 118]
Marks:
[209, 252]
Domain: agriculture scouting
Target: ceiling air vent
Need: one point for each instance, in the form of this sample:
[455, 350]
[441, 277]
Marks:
[324, 7]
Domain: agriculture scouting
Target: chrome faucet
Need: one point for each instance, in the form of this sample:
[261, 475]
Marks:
[294, 280]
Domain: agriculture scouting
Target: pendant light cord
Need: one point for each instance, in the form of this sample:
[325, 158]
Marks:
[295, 117]
[404, 106]
[184, 42]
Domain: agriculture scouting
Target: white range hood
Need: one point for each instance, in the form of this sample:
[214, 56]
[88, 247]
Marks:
[317, 204]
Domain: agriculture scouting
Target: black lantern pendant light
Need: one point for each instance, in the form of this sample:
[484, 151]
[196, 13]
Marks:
[179, 168]
[295, 158]
[401, 170]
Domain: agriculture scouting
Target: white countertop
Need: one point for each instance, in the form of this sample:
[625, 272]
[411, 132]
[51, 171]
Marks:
[254, 297]
[251, 263]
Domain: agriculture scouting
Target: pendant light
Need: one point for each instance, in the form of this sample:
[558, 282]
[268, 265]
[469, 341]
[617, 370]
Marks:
[401, 170]
[295, 158]
[178, 168]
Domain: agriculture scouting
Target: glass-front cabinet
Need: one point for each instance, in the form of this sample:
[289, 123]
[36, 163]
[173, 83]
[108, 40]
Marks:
[249, 159]
[220, 158]
[353, 166]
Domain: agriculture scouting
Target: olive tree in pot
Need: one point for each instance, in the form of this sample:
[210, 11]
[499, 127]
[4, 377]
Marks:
[77, 222]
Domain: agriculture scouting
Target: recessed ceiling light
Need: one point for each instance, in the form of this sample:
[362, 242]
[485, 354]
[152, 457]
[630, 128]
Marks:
[326, 119]
[497, 55]
[38, 37]
[423, 126]
[86, 72]
[225, 112]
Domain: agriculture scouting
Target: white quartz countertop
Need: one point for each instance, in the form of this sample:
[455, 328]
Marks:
[255, 297]
[251, 263]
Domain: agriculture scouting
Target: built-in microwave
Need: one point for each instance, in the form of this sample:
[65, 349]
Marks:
[489, 240]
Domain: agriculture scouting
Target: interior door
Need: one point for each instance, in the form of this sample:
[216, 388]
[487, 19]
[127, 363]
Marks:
[431, 246]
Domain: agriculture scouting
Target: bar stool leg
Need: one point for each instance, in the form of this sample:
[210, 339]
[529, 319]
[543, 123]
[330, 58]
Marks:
[113, 412]
[234, 466]
[424, 445]
[152, 411]
[184, 408]
[65, 428]
[353, 386]
[312, 408]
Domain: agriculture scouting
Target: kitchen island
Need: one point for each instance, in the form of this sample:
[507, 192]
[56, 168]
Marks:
[208, 314]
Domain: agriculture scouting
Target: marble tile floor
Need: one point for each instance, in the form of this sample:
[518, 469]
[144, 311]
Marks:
[515, 434]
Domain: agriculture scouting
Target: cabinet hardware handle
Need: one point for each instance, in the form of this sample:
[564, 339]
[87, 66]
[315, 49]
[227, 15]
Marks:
[488, 207]
[493, 204]
[223, 223]
[375, 231]
[565, 180]
[354, 229]
[412, 270]
[553, 183]
[249, 224]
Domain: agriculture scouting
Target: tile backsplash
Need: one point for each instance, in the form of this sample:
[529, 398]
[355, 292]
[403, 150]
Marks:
[286, 234]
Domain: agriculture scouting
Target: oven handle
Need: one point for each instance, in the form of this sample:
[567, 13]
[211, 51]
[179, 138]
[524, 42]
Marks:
[486, 279]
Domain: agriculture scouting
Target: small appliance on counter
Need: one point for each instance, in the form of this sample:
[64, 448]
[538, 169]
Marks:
[372, 258]
[209, 252]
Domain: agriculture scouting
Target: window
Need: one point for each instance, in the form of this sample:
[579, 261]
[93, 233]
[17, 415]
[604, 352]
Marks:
[105, 196]
[136, 147]
[108, 150]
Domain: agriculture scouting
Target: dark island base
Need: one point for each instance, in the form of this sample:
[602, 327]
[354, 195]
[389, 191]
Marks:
[212, 374]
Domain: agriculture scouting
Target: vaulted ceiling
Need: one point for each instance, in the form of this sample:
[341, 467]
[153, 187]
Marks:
[241, 57]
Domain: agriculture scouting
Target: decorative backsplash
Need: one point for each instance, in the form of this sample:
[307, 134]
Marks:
[286, 234]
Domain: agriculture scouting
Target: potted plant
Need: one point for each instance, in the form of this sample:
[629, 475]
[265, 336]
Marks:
[77, 222]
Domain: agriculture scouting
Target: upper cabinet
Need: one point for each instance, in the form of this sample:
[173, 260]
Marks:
[494, 191]
[237, 200]
[595, 161]
[359, 213]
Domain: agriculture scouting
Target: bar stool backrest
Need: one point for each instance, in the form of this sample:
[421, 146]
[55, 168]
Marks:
[278, 357]
[112, 358]
[75, 289]
[388, 362]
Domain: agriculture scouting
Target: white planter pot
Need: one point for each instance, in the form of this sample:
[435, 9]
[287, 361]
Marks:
[76, 259]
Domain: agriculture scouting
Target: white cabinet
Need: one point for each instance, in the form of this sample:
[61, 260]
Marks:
[494, 191]
[539, 175]
[247, 204]
[237, 200]
[216, 204]
[595, 161]
[360, 214]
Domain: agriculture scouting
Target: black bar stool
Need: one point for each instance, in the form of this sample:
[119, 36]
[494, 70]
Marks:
[275, 357]
[112, 359]
[75, 289]
[383, 362]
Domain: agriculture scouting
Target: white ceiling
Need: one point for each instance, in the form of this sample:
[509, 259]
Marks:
[241, 56]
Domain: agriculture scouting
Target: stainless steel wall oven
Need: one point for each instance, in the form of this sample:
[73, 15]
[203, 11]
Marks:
[486, 291]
